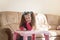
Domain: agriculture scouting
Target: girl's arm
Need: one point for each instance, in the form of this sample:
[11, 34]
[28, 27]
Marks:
[22, 28]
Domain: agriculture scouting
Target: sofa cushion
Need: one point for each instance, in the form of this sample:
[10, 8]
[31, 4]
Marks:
[10, 17]
[3, 35]
[52, 19]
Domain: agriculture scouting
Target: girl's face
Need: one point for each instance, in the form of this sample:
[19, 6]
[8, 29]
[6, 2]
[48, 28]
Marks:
[28, 18]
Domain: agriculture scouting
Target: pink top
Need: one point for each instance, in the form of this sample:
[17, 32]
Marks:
[28, 27]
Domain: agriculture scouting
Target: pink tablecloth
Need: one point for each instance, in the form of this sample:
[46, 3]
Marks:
[29, 33]
[24, 34]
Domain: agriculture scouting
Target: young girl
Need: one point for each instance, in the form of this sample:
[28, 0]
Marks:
[42, 25]
[27, 24]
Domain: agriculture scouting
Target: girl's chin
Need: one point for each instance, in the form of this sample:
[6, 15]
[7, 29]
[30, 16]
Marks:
[29, 22]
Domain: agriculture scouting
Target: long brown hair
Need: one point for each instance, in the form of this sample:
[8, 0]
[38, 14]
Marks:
[23, 18]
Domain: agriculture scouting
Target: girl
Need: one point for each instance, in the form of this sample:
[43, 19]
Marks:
[27, 21]
[42, 25]
[27, 24]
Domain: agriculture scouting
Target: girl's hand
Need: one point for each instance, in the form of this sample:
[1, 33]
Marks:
[24, 29]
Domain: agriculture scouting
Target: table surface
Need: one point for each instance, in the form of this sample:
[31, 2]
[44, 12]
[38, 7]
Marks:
[31, 32]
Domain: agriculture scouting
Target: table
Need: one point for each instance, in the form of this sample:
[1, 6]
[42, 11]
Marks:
[24, 34]
[28, 33]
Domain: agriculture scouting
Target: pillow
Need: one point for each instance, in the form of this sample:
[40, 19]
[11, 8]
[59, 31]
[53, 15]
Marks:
[58, 28]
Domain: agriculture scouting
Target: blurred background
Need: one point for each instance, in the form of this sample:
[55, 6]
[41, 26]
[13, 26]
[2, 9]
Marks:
[38, 6]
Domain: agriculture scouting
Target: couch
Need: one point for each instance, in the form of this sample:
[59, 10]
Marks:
[10, 21]
[54, 22]
[54, 27]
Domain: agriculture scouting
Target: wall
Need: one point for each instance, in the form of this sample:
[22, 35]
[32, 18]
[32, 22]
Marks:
[39, 6]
